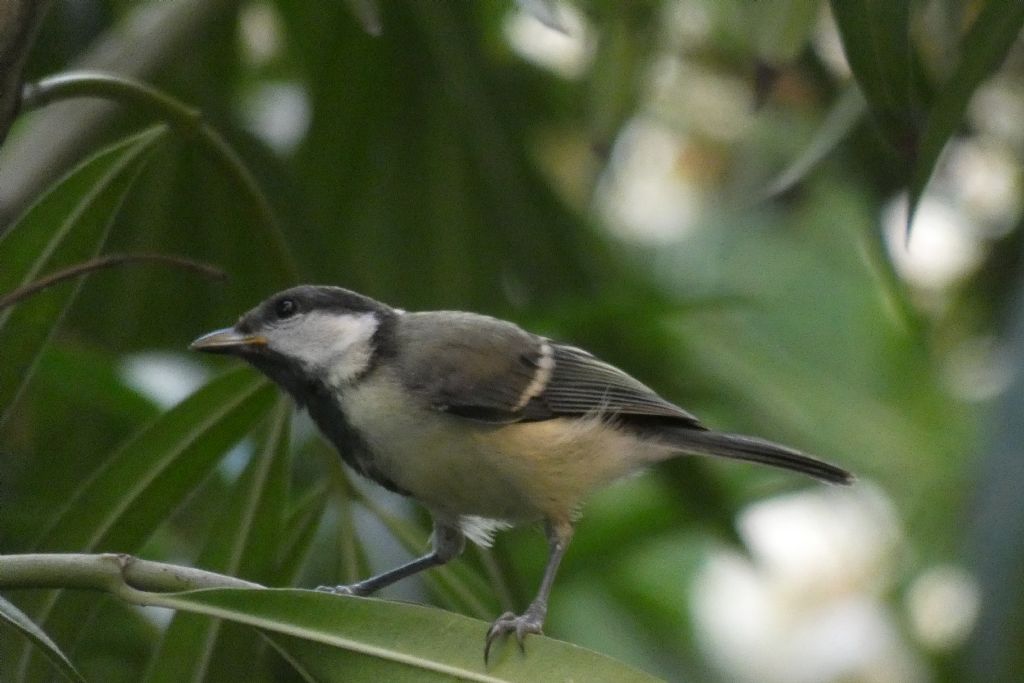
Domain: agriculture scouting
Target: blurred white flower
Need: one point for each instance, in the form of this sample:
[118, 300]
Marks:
[643, 195]
[942, 249]
[279, 112]
[259, 33]
[985, 179]
[808, 605]
[164, 378]
[943, 605]
[563, 43]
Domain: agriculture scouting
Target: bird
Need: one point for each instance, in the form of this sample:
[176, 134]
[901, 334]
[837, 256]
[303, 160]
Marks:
[483, 423]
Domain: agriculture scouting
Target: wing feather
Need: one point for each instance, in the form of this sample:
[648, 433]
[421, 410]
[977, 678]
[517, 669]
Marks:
[582, 383]
[490, 370]
[475, 366]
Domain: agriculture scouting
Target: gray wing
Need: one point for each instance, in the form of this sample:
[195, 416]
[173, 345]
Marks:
[493, 371]
[473, 365]
[581, 383]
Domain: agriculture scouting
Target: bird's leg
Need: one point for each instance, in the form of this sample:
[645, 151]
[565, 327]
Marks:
[448, 543]
[532, 620]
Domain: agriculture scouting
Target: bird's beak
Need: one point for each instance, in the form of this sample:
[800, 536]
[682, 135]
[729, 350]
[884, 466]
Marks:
[227, 341]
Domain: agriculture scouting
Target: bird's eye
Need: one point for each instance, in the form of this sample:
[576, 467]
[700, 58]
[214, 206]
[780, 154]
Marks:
[286, 308]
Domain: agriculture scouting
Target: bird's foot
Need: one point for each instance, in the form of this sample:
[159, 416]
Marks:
[523, 624]
[351, 589]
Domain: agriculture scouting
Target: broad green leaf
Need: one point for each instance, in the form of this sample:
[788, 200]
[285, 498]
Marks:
[152, 473]
[245, 542]
[299, 532]
[983, 49]
[876, 40]
[19, 620]
[352, 562]
[68, 225]
[88, 377]
[456, 212]
[149, 477]
[336, 638]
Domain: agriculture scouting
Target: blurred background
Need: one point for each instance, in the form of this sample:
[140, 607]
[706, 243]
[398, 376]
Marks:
[697, 191]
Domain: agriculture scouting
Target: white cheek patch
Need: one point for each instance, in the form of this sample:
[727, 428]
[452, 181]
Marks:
[337, 347]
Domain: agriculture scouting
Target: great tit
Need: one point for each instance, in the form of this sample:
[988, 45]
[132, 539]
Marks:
[482, 422]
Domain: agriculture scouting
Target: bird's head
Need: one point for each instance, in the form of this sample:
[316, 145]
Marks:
[306, 334]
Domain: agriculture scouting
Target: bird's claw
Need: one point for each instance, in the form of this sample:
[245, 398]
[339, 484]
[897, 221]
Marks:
[521, 625]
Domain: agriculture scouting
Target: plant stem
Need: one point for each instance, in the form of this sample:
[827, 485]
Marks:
[99, 263]
[118, 574]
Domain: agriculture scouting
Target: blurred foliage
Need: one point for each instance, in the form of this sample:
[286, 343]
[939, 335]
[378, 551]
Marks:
[420, 153]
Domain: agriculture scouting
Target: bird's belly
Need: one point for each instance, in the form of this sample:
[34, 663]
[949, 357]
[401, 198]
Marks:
[515, 472]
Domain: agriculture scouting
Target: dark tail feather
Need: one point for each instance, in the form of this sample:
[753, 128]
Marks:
[752, 449]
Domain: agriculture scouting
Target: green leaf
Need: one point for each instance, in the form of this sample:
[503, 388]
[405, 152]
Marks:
[19, 620]
[983, 49]
[69, 224]
[244, 542]
[343, 638]
[300, 530]
[149, 477]
[152, 473]
[876, 40]
[90, 378]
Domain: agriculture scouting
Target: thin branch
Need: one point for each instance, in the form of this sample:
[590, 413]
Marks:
[100, 263]
[110, 87]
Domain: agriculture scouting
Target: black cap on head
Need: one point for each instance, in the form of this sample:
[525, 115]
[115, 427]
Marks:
[303, 299]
